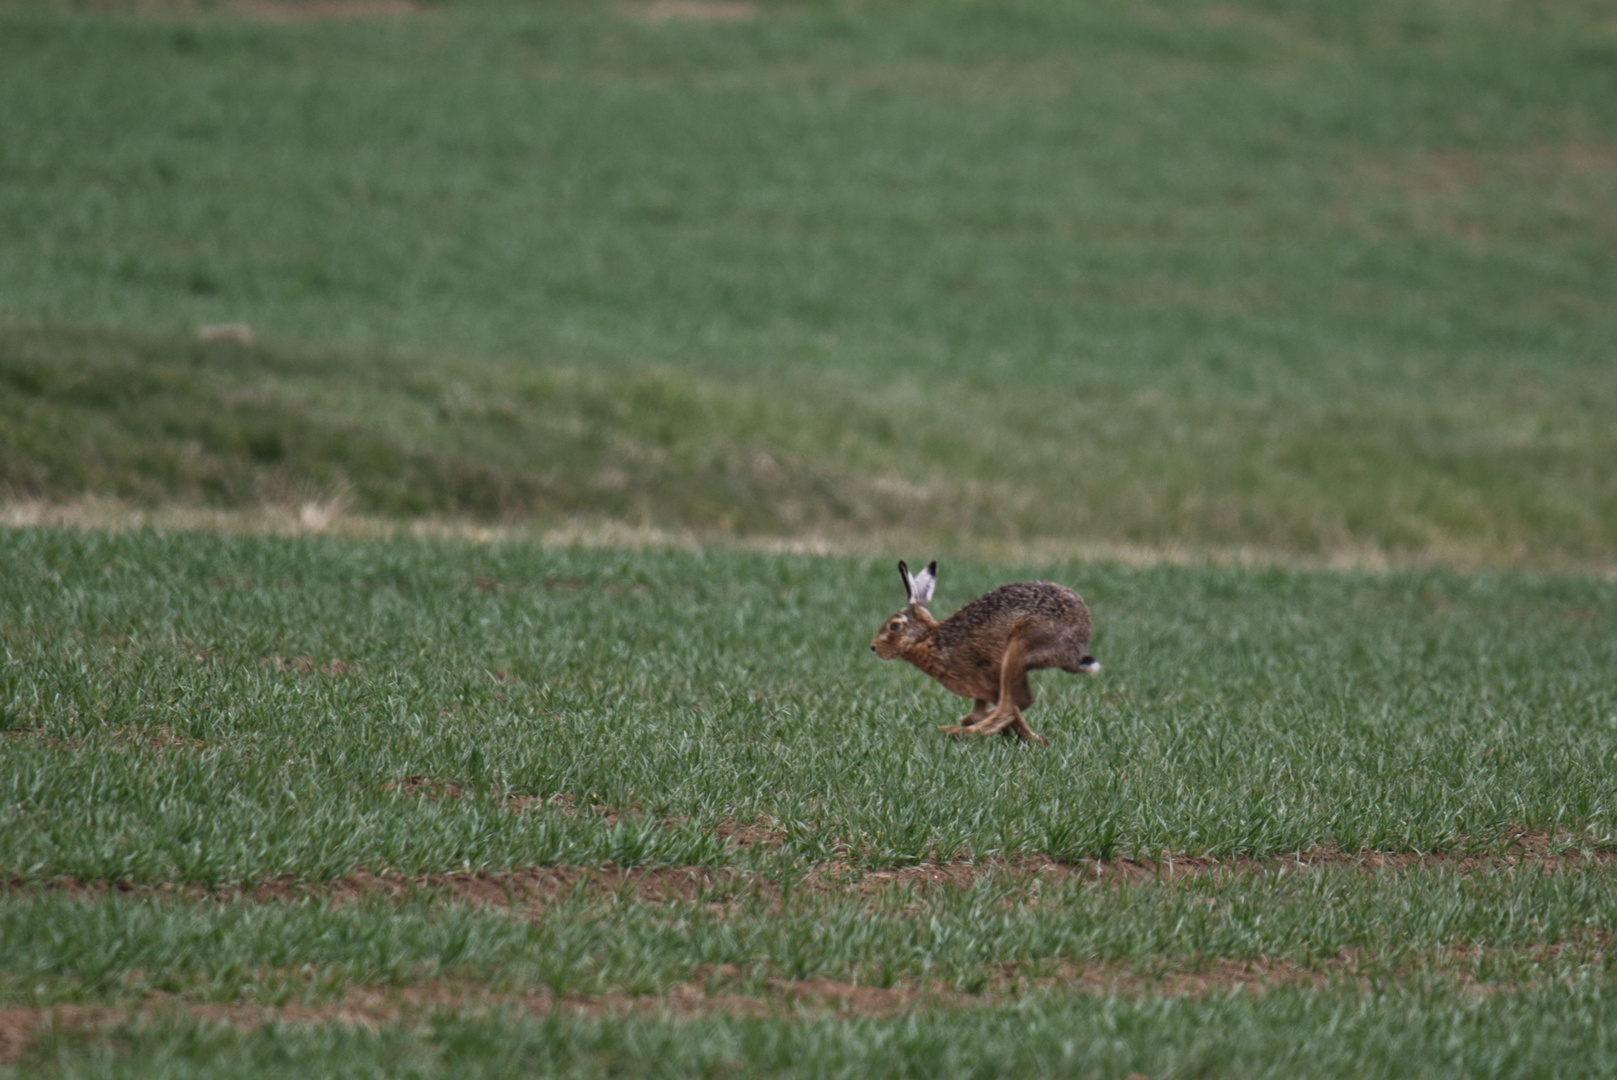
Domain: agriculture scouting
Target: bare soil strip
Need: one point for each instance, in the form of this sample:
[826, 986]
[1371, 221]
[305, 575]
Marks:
[322, 10]
[541, 886]
[725, 991]
[694, 11]
[719, 994]
[284, 11]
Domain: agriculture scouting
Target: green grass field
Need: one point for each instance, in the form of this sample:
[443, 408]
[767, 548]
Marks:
[1243, 713]
[193, 716]
[1282, 330]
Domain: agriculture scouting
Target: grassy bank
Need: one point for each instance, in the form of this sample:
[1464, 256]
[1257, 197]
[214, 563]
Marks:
[1268, 275]
[153, 420]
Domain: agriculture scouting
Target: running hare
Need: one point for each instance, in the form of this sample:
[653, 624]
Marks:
[985, 650]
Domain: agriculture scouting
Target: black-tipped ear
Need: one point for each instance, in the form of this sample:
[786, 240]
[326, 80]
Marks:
[909, 582]
[923, 584]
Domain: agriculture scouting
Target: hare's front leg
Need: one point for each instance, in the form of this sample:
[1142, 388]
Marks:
[979, 713]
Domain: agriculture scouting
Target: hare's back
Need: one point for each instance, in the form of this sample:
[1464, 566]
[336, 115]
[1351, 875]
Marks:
[1042, 608]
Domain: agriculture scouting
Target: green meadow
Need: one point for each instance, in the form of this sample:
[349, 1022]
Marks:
[190, 719]
[1281, 330]
[295, 684]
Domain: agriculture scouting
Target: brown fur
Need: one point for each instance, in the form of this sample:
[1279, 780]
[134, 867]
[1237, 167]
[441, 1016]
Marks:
[985, 650]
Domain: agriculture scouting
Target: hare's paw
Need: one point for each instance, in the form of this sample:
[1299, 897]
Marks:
[996, 724]
[958, 731]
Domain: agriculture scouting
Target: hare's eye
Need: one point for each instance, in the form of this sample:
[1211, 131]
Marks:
[895, 624]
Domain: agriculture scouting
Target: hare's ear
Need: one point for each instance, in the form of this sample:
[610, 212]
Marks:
[923, 584]
[909, 582]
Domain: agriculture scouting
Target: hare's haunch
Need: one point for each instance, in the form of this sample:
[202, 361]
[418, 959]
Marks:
[985, 650]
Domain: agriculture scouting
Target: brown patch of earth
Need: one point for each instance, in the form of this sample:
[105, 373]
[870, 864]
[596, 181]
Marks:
[535, 887]
[425, 787]
[306, 665]
[718, 994]
[161, 737]
[727, 886]
[567, 806]
[530, 888]
[1429, 173]
[283, 11]
[323, 10]
[1436, 185]
[725, 991]
[1529, 850]
[761, 831]
[694, 11]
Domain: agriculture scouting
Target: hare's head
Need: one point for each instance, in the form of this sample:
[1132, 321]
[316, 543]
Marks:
[907, 626]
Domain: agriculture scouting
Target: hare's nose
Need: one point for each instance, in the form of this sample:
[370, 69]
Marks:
[873, 648]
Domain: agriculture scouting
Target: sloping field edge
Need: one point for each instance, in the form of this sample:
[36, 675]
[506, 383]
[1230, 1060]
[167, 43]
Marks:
[331, 517]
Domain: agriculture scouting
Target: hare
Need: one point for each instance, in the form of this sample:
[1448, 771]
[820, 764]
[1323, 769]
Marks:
[985, 650]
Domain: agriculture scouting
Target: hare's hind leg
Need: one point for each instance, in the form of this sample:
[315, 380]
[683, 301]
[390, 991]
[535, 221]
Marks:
[1022, 697]
[981, 708]
[1013, 692]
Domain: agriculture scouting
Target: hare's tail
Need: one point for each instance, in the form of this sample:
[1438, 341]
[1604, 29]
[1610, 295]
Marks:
[1086, 665]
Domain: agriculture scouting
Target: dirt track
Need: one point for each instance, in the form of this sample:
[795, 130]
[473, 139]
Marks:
[721, 995]
[691, 884]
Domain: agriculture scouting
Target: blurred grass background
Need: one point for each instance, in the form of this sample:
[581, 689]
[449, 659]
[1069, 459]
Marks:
[1282, 274]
